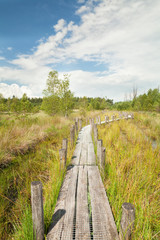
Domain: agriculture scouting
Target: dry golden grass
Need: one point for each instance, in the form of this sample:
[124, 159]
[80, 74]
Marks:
[20, 134]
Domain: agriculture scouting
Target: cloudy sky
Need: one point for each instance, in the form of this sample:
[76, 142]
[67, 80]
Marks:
[107, 46]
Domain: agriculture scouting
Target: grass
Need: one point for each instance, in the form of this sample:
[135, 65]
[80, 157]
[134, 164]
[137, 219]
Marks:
[20, 133]
[149, 123]
[132, 173]
[41, 163]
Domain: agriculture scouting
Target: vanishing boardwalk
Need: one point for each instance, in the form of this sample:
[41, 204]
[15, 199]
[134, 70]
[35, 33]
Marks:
[82, 210]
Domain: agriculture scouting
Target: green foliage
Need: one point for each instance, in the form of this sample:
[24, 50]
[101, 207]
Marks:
[123, 105]
[149, 101]
[22, 105]
[93, 103]
[58, 98]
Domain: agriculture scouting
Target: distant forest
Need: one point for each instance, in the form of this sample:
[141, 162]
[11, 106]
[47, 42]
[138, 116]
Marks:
[149, 101]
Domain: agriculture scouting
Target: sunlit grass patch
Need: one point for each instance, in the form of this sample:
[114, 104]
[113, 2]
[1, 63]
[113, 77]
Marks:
[132, 175]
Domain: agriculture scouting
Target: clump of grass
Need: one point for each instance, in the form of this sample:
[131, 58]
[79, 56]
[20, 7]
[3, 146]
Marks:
[22, 133]
[132, 175]
[149, 123]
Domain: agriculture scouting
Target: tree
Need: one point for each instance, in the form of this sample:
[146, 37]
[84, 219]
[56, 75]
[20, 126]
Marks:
[58, 97]
[3, 106]
[25, 105]
[15, 105]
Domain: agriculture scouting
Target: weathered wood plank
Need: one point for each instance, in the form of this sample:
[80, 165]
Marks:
[91, 154]
[104, 227]
[82, 214]
[70, 203]
[84, 154]
[77, 151]
[77, 154]
[56, 227]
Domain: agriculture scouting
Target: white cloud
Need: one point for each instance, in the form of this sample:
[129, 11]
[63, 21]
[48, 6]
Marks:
[9, 48]
[123, 35]
[114, 85]
[13, 89]
[82, 9]
[60, 25]
[2, 58]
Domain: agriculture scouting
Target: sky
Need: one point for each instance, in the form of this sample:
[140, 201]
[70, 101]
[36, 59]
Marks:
[108, 47]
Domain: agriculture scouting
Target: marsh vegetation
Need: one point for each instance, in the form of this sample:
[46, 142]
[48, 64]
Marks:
[30, 140]
[132, 172]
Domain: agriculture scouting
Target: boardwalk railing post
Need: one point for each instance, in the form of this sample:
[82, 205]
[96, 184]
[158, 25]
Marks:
[62, 156]
[37, 210]
[127, 221]
[99, 146]
[72, 135]
[95, 133]
[80, 124]
[65, 145]
[76, 127]
[103, 154]
[92, 125]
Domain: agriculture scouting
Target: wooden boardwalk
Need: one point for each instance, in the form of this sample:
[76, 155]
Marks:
[82, 210]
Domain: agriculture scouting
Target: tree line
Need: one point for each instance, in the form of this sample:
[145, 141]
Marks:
[58, 99]
[21, 105]
[149, 101]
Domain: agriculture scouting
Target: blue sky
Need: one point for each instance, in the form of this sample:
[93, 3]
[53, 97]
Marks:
[107, 47]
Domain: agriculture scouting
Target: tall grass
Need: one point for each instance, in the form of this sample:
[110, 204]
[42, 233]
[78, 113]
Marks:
[40, 164]
[132, 174]
[19, 133]
[149, 124]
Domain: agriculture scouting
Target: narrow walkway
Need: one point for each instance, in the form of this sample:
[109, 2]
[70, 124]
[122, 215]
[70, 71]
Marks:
[82, 210]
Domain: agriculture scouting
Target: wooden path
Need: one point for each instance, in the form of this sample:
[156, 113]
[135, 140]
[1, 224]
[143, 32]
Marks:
[82, 210]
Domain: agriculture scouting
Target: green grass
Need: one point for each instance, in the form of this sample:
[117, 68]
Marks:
[132, 175]
[39, 164]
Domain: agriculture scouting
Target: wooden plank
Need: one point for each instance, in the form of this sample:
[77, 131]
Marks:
[70, 204]
[84, 154]
[82, 214]
[77, 154]
[88, 133]
[56, 227]
[77, 151]
[91, 154]
[104, 227]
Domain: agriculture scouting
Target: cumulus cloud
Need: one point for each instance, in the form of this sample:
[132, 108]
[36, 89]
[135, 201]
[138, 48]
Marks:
[121, 35]
[14, 89]
[60, 25]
